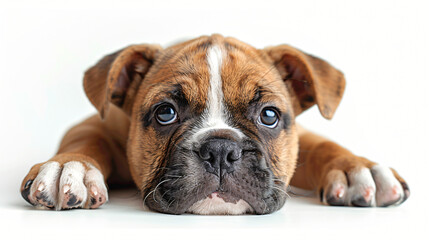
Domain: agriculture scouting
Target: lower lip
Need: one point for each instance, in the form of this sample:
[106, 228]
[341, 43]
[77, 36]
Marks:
[214, 195]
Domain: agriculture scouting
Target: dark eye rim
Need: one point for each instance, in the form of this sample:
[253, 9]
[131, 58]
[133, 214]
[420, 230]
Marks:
[161, 122]
[276, 123]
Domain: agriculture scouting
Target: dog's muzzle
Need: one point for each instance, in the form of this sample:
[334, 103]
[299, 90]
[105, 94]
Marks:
[217, 172]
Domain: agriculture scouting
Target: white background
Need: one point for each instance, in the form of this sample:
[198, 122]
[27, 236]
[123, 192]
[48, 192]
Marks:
[381, 46]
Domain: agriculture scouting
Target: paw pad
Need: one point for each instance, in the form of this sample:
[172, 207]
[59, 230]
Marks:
[70, 200]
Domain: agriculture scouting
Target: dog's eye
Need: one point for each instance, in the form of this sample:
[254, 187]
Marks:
[165, 114]
[269, 118]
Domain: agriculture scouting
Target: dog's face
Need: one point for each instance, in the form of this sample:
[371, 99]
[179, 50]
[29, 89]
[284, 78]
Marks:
[212, 126]
[213, 132]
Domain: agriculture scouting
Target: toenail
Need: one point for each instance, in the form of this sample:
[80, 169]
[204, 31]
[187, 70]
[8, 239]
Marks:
[340, 192]
[26, 192]
[395, 190]
[368, 194]
[28, 184]
[66, 188]
[94, 191]
[41, 187]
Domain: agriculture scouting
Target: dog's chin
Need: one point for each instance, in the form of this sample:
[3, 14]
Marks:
[220, 204]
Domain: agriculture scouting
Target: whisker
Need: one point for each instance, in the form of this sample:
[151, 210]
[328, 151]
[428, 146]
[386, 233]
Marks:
[154, 190]
[269, 70]
[177, 179]
[159, 184]
[174, 176]
[170, 203]
[283, 191]
[301, 192]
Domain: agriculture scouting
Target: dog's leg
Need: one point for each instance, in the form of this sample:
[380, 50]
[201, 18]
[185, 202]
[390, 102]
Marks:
[343, 178]
[75, 177]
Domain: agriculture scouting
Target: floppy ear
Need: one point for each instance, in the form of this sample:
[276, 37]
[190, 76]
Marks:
[116, 77]
[312, 80]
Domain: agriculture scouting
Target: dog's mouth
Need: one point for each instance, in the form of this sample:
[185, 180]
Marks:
[226, 197]
[232, 197]
[220, 203]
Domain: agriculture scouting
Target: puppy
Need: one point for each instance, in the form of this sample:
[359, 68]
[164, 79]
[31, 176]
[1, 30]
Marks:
[207, 126]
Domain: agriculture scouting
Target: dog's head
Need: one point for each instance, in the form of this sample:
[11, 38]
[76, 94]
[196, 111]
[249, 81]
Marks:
[212, 126]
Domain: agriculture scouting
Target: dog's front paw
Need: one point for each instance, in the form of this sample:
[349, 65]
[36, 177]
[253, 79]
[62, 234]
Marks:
[74, 184]
[363, 186]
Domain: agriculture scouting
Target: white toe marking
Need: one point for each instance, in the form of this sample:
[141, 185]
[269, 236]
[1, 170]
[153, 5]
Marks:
[388, 187]
[95, 180]
[215, 115]
[46, 181]
[361, 184]
[215, 205]
[72, 180]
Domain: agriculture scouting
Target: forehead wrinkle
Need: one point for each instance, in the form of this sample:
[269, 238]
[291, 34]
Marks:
[241, 75]
[187, 86]
[192, 72]
[244, 72]
[277, 97]
[250, 53]
[184, 65]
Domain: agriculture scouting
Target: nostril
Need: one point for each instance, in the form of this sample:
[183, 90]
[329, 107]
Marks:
[205, 156]
[233, 156]
[205, 153]
[209, 167]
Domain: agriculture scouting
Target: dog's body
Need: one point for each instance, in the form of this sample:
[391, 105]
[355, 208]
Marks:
[207, 126]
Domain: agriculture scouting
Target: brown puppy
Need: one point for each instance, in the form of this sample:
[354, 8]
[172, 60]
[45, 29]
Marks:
[207, 127]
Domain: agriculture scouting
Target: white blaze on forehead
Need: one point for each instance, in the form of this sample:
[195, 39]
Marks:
[215, 114]
[215, 107]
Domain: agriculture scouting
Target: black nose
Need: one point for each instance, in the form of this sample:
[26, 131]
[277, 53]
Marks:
[219, 155]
